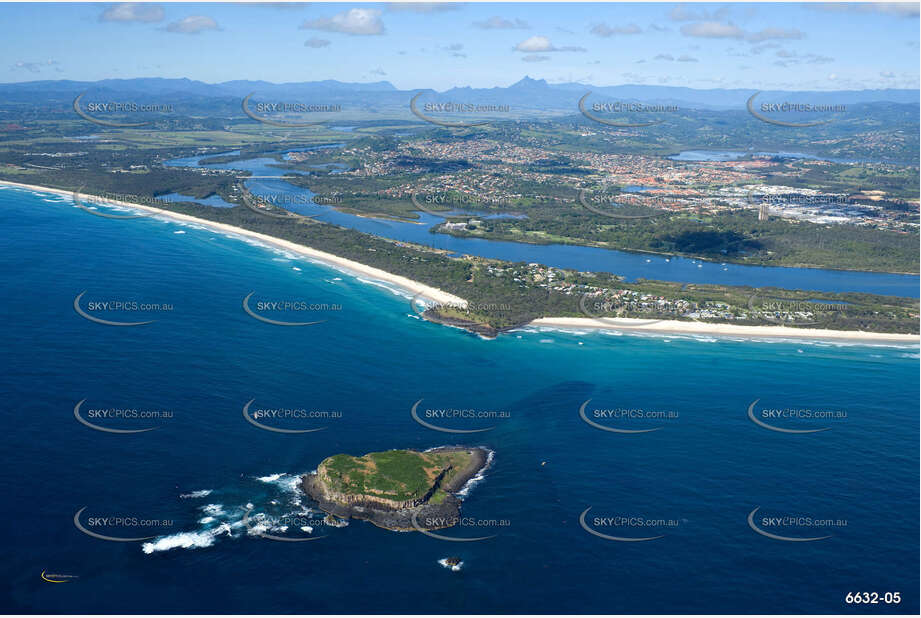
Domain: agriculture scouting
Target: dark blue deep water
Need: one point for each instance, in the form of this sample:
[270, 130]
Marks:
[188, 483]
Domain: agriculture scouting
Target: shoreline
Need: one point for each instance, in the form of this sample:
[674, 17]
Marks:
[440, 296]
[329, 259]
[676, 327]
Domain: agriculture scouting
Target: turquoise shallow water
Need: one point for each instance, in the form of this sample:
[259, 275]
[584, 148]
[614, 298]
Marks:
[693, 482]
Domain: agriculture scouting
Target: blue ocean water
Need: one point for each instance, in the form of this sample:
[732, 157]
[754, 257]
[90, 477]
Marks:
[694, 481]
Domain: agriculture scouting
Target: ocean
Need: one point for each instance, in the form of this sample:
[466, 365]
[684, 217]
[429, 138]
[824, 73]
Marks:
[724, 500]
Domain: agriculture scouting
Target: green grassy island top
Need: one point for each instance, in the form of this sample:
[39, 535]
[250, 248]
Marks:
[400, 476]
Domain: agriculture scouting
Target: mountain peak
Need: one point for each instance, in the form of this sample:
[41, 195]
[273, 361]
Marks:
[527, 82]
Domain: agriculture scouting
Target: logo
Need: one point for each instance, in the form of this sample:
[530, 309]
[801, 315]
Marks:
[105, 107]
[106, 521]
[450, 413]
[441, 537]
[58, 578]
[258, 206]
[284, 107]
[78, 202]
[779, 521]
[621, 539]
[616, 413]
[787, 312]
[275, 413]
[107, 413]
[600, 306]
[109, 306]
[259, 529]
[621, 107]
[606, 213]
[791, 413]
[282, 305]
[447, 107]
[790, 107]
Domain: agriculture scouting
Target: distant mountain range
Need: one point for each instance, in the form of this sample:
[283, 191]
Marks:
[526, 94]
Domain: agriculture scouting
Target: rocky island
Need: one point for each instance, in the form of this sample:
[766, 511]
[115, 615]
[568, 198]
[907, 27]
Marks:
[391, 488]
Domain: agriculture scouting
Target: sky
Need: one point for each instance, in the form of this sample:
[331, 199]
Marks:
[815, 46]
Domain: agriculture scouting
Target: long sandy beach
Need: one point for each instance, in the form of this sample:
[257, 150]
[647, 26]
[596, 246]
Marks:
[440, 296]
[425, 291]
[727, 330]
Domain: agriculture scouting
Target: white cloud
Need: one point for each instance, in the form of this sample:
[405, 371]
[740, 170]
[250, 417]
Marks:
[684, 13]
[728, 30]
[422, 7]
[353, 21]
[535, 58]
[35, 67]
[774, 33]
[713, 30]
[316, 43]
[500, 23]
[542, 44]
[193, 24]
[897, 9]
[605, 30]
[130, 12]
[686, 58]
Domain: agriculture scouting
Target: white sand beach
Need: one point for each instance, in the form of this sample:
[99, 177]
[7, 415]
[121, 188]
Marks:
[726, 330]
[425, 291]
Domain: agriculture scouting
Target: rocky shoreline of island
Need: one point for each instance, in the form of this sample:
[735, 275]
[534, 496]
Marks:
[425, 513]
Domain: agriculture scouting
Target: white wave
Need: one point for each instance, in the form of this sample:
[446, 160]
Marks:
[199, 493]
[215, 510]
[480, 475]
[206, 520]
[179, 232]
[307, 529]
[270, 478]
[181, 540]
[296, 268]
[546, 341]
[456, 567]
[393, 290]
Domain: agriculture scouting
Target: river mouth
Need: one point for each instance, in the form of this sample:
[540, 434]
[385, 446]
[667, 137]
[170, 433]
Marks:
[264, 178]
